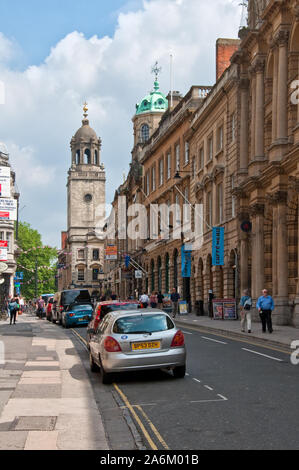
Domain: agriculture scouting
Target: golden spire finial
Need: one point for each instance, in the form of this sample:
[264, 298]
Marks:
[85, 109]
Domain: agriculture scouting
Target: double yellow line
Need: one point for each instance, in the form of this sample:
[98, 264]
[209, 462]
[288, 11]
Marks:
[135, 416]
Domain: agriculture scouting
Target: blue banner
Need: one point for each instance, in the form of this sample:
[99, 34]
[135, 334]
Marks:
[218, 246]
[186, 252]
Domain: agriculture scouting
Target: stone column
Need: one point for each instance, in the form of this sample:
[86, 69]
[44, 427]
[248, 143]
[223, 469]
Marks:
[258, 264]
[281, 315]
[282, 85]
[244, 84]
[274, 95]
[244, 254]
[259, 109]
[274, 251]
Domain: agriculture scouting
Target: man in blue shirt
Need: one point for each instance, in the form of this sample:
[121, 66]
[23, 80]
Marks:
[265, 305]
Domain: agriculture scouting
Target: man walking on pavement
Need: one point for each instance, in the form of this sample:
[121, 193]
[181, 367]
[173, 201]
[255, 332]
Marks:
[265, 306]
[175, 297]
[13, 308]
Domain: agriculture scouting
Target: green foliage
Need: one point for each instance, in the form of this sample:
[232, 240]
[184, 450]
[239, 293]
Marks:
[32, 252]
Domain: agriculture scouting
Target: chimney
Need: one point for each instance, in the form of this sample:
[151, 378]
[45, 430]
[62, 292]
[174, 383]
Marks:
[176, 98]
[225, 48]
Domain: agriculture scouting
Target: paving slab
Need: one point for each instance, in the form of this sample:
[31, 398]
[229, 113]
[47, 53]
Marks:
[46, 440]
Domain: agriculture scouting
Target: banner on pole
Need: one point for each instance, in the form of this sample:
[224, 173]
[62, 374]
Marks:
[218, 246]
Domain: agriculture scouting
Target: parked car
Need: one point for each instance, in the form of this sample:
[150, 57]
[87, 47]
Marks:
[134, 341]
[49, 308]
[104, 307]
[65, 298]
[76, 314]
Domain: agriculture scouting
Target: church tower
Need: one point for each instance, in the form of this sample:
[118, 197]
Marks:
[85, 202]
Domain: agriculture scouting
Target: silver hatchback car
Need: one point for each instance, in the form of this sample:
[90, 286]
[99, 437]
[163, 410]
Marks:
[131, 341]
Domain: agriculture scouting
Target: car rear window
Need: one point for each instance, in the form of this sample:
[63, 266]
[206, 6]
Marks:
[113, 308]
[143, 324]
[77, 308]
[76, 295]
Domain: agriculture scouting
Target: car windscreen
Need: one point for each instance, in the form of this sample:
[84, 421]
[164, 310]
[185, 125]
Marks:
[142, 324]
[72, 296]
[80, 308]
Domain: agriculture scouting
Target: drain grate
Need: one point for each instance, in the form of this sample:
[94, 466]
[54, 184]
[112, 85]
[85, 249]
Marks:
[34, 423]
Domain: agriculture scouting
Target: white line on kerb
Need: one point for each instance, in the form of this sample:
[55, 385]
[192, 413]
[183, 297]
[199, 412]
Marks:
[214, 340]
[265, 355]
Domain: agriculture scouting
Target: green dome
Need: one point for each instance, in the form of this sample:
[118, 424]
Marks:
[154, 102]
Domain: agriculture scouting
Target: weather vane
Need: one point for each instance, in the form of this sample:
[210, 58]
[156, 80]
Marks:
[156, 70]
[85, 109]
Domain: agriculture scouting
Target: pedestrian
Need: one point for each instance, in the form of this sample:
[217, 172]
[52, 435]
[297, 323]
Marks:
[113, 296]
[153, 300]
[7, 306]
[144, 300]
[40, 305]
[265, 306]
[175, 297]
[245, 304]
[160, 298]
[22, 304]
[13, 308]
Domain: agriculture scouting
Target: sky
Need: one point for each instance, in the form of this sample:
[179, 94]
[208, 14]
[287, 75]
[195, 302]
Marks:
[55, 55]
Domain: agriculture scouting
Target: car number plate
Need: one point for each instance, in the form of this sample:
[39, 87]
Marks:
[146, 345]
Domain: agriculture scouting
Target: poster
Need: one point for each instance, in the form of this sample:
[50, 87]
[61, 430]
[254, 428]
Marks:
[229, 309]
[183, 307]
[111, 253]
[224, 309]
[218, 309]
[8, 209]
[4, 181]
[186, 252]
[3, 251]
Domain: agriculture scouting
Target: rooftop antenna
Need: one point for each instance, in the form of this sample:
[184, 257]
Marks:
[171, 81]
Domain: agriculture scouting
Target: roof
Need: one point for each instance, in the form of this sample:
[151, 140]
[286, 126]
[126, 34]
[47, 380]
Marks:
[86, 132]
[156, 101]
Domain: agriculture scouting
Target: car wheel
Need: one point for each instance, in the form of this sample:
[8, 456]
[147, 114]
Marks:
[179, 372]
[93, 365]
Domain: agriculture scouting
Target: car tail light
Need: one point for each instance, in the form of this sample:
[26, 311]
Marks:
[71, 314]
[178, 340]
[111, 345]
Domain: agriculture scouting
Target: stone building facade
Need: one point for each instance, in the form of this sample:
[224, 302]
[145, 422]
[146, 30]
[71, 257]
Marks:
[82, 254]
[239, 158]
[7, 233]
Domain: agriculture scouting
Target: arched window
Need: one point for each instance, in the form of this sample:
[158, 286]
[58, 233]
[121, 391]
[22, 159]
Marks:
[96, 159]
[87, 158]
[144, 133]
[78, 157]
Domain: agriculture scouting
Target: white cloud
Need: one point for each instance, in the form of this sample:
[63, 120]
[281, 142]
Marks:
[44, 103]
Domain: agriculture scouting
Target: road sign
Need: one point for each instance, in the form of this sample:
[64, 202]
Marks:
[138, 274]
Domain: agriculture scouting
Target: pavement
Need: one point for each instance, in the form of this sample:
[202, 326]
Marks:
[282, 336]
[46, 397]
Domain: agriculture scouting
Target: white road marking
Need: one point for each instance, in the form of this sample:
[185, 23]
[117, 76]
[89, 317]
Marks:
[187, 333]
[209, 388]
[207, 401]
[221, 396]
[214, 340]
[196, 380]
[264, 355]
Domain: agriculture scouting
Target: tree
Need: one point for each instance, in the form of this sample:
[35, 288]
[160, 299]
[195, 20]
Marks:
[37, 262]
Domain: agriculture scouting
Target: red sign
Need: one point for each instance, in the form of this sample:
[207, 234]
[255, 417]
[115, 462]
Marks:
[3, 244]
[4, 215]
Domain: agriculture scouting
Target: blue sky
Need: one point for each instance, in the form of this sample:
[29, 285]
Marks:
[36, 25]
[55, 55]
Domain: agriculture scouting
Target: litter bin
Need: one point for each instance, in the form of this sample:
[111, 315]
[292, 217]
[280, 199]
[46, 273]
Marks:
[199, 308]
